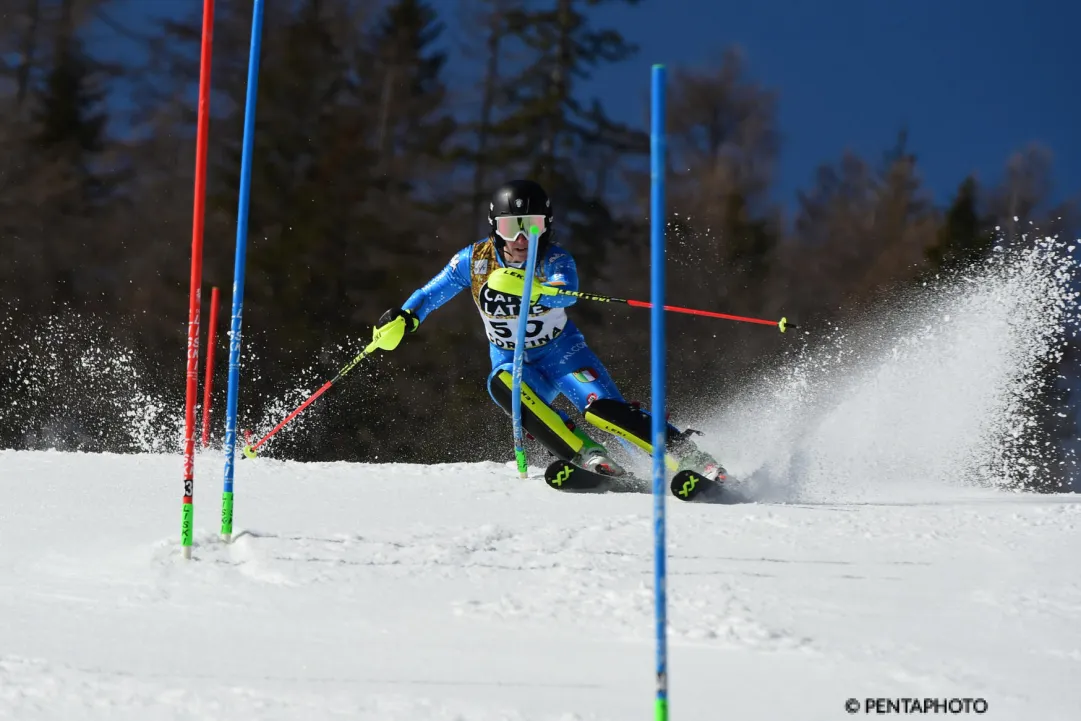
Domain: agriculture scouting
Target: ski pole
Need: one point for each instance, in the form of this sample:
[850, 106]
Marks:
[384, 338]
[509, 280]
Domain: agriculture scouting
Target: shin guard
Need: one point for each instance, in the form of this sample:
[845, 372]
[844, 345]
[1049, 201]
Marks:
[539, 419]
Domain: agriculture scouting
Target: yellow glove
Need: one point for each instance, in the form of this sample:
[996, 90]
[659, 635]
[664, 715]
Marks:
[512, 282]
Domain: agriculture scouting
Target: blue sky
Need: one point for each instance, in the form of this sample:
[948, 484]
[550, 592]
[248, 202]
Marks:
[973, 80]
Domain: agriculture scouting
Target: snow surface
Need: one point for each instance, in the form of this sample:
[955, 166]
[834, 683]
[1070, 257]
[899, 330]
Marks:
[398, 592]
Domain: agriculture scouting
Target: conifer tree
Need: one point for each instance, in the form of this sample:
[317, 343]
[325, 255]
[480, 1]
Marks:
[964, 236]
[547, 128]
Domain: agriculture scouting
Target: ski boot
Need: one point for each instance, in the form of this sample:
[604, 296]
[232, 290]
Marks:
[593, 456]
[692, 458]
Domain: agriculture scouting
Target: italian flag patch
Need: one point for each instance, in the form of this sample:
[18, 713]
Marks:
[585, 375]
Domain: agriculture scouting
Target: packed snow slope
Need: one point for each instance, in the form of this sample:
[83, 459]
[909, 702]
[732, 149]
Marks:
[397, 592]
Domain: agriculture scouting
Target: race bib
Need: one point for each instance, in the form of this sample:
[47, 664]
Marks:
[499, 311]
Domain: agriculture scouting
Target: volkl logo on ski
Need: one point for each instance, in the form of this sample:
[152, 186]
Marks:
[563, 475]
[689, 485]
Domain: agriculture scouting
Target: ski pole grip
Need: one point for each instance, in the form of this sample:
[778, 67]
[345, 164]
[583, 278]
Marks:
[512, 282]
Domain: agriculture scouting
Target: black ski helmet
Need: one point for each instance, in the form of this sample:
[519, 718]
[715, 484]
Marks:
[521, 197]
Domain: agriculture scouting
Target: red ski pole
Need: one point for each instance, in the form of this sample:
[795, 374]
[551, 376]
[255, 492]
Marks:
[510, 281]
[385, 338]
[782, 323]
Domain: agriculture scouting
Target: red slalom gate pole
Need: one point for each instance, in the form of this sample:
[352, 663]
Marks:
[208, 380]
[198, 215]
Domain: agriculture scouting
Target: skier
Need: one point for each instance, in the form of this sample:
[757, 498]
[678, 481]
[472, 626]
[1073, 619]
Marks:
[557, 359]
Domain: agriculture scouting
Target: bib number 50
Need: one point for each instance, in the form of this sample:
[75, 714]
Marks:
[502, 328]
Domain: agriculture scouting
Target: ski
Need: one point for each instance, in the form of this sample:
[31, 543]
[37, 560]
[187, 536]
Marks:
[563, 476]
[688, 485]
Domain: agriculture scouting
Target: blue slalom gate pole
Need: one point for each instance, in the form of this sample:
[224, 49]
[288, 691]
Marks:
[238, 269]
[519, 355]
[660, 423]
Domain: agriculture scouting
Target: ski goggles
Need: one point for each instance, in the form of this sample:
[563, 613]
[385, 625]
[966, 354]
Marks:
[509, 227]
